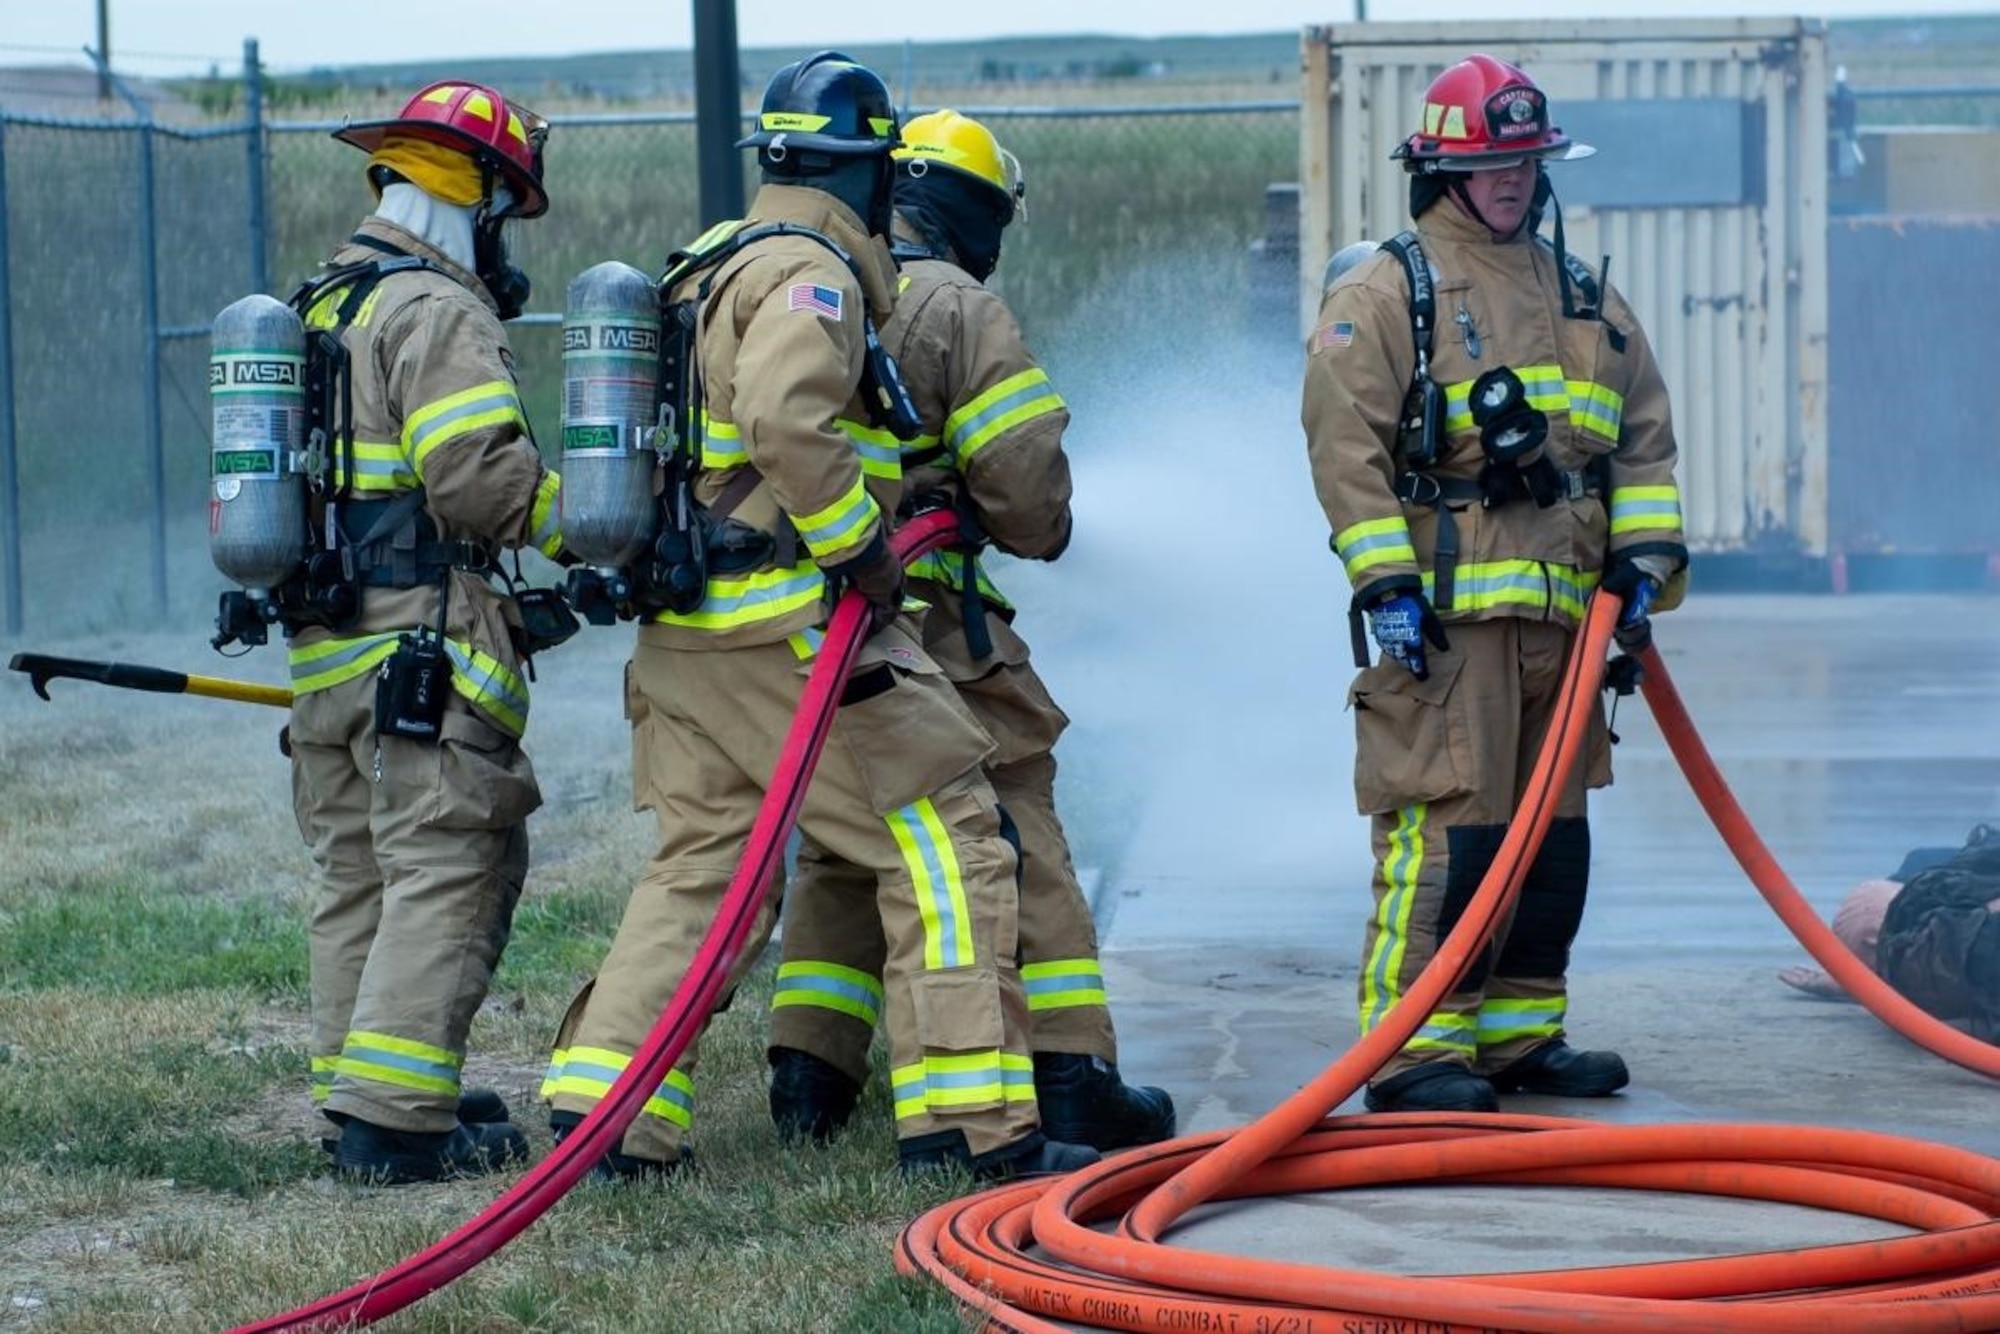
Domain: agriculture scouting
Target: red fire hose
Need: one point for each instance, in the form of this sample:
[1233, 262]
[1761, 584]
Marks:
[1035, 1256]
[545, 1183]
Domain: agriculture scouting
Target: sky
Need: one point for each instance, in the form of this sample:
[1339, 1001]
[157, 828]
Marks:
[165, 37]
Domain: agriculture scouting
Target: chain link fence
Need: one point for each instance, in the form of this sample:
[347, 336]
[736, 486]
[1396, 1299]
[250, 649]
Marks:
[120, 241]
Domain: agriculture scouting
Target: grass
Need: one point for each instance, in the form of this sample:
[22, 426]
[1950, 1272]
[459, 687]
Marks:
[159, 1166]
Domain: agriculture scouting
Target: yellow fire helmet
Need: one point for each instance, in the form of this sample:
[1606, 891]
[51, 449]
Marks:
[946, 138]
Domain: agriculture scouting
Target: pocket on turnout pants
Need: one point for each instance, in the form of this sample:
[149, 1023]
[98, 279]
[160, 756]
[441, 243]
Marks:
[1410, 745]
[907, 730]
[484, 778]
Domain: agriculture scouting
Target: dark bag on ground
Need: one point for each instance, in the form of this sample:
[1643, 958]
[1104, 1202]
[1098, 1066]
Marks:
[1940, 942]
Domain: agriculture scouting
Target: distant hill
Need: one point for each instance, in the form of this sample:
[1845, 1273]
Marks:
[668, 76]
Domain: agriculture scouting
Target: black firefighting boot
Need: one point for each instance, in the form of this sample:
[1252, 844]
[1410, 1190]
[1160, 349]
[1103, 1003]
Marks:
[810, 1098]
[1434, 1086]
[1558, 1070]
[475, 1107]
[615, 1166]
[1031, 1155]
[387, 1157]
[1083, 1101]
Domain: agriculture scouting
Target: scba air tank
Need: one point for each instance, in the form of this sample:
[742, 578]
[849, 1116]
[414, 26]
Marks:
[256, 384]
[611, 363]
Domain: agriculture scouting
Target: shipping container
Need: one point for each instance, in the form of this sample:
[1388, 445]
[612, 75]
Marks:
[1708, 195]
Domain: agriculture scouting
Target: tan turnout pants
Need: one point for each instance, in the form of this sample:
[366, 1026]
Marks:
[1439, 767]
[419, 872]
[828, 997]
[898, 791]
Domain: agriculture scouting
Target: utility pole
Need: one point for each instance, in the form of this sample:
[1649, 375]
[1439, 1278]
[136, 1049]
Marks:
[718, 107]
[104, 50]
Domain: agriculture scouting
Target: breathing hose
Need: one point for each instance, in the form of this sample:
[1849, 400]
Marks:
[529, 1198]
[1037, 1256]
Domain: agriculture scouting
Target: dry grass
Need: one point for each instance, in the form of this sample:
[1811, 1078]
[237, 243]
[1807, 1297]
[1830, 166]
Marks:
[158, 1160]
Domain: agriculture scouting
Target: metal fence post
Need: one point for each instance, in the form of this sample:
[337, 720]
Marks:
[253, 103]
[149, 261]
[10, 482]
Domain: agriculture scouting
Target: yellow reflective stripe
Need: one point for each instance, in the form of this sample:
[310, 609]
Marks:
[1381, 985]
[1637, 508]
[322, 1077]
[948, 568]
[1593, 407]
[589, 1072]
[1062, 984]
[1363, 546]
[1540, 585]
[1505, 1020]
[818, 984]
[333, 661]
[960, 1080]
[489, 683]
[721, 444]
[918, 444]
[881, 452]
[805, 644]
[402, 1062]
[545, 518]
[841, 527]
[1016, 399]
[1446, 1032]
[481, 678]
[493, 403]
[325, 312]
[378, 466]
[940, 889]
[736, 600]
[1596, 409]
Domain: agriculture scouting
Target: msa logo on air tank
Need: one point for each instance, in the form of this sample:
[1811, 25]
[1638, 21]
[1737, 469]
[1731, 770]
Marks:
[635, 338]
[254, 372]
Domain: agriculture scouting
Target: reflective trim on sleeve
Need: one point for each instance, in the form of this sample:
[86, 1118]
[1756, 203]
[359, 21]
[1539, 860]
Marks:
[721, 444]
[1641, 508]
[379, 465]
[881, 452]
[948, 568]
[1016, 399]
[493, 403]
[545, 519]
[1363, 546]
[842, 527]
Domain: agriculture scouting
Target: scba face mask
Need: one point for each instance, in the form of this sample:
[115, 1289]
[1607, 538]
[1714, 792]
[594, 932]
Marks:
[506, 283]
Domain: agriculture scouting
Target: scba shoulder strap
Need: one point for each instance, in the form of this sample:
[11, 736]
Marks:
[881, 381]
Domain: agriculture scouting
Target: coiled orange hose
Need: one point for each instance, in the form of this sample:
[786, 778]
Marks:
[989, 1248]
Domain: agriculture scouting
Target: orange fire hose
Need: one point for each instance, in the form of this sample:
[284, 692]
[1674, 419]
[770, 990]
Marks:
[1029, 1258]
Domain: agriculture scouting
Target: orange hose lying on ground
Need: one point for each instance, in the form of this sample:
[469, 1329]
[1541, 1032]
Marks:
[989, 1248]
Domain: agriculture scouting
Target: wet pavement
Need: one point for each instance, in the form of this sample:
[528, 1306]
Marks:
[1232, 921]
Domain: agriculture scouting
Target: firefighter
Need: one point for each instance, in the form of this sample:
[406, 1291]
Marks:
[992, 447]
[409, 779]
[789, 452]
[1490, 439]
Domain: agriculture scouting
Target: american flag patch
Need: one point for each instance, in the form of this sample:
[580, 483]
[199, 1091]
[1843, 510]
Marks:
[1338, 334]
[821, 301]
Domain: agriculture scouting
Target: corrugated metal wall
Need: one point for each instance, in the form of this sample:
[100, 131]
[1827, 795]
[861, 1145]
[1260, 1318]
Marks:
[1732, 292]
[1913, 447]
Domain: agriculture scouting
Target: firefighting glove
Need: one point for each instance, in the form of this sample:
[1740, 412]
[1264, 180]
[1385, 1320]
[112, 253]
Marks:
[878, 575]
[1637, 588]
[1401, 623]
